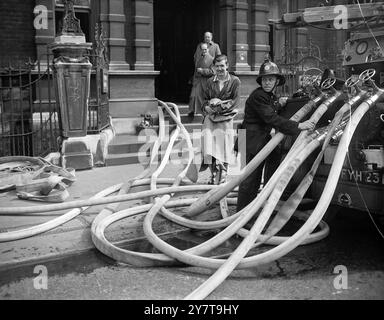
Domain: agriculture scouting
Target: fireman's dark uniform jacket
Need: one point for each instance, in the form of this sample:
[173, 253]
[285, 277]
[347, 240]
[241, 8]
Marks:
[260, 116]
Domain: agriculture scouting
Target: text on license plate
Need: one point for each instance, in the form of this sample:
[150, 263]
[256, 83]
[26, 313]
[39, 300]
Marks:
[370, 177]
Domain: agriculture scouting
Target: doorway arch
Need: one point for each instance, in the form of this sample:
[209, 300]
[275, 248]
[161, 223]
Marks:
[179, 26]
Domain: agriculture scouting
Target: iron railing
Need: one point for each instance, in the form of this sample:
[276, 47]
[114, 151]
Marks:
[29, 118]
[28, 111]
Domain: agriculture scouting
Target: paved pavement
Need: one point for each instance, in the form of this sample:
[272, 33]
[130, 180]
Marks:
[308, 272]
[74, 236]
[76, 270]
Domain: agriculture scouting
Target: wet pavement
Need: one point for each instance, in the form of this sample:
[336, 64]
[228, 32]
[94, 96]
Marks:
[308, 272]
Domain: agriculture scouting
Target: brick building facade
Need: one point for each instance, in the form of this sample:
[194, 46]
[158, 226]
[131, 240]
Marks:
[17, 36]
[151, 42]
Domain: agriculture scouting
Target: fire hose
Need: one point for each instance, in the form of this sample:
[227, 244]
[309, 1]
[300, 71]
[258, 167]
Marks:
[316, 215]
[232, 224]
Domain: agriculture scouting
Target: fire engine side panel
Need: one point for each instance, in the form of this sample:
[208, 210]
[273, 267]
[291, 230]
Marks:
[348, 195]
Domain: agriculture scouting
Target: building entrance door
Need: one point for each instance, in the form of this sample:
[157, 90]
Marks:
[179, 26]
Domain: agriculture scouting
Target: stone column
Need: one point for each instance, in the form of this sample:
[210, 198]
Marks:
[72, 76]
[45, 37]
[143, 38]
[226, 18]
[113, 20]
[260, 33]
[240, 32]
[299, 39]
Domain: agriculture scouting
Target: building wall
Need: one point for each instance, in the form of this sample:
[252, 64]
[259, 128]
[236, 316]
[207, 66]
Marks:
[329, 40]
[277, 9]
[241, 29]
[17, 34]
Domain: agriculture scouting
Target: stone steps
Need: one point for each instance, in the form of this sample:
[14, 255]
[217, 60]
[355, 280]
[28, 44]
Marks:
[124, 147]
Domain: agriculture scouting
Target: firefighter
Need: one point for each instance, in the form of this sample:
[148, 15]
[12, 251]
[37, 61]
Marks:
[260, 117]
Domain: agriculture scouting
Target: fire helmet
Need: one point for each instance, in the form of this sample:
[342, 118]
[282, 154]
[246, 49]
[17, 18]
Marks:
[270, 68]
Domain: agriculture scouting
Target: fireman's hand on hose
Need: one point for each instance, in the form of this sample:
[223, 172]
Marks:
[214, 101]
[283, 101]
[306, 125]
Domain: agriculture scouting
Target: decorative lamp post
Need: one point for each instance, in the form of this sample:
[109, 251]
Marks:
[72, 71]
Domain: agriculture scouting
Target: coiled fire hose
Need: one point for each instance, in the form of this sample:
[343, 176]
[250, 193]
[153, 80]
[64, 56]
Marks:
[212, 197]
[121, 216]
[233, 223]
[179, 220]
[313, 220]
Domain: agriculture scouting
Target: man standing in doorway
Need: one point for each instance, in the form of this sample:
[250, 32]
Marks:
[213, 51]
[203, 71]
[213, 48]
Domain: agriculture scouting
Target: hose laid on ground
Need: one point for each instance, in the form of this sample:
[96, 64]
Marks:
[124, 188]
[266, 201]
[112, 199]
[147, 225]
[253, 235]
[80, 203]
[212, 197]
[138, 258]
[308, 226]
[191, 256]
[240, 252]
[54, 223]
[133, 258]
[113, 207]
[291, 204]
[301, 142]
[188, 259]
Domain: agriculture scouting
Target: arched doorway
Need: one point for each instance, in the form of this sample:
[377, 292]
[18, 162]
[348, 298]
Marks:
[179, 26]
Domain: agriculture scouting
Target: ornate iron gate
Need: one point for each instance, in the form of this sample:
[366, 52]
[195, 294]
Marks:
[29, 121]
[28, 117]
[98, 108]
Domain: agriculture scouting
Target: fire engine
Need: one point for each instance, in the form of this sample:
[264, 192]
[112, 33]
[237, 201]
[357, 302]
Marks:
[361, 182]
